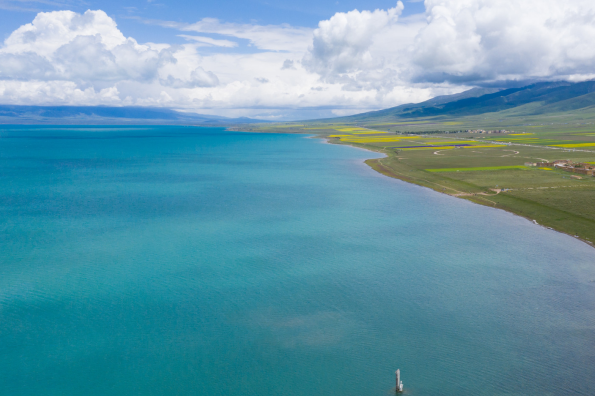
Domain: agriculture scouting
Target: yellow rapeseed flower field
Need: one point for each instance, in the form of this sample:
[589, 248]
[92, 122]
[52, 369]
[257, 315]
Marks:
[443, 143]
[371, 140]
[576, 145]
[490, 146]
[427, 148]
[352, 129]
[387, 138]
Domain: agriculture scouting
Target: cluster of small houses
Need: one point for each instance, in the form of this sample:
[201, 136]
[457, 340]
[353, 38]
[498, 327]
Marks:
[568, 166]
[488, 132]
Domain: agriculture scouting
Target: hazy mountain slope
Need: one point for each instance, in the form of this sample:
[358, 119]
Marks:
[438, 100]
[548, 97]
[14, 114]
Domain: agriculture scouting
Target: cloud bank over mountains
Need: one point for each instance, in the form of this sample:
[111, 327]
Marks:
[484, 40]
[354, 61]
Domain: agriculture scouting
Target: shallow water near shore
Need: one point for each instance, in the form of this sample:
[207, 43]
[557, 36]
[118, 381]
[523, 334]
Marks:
[197, 261]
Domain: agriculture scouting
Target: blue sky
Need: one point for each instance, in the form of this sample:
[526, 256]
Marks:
[282, 60]
[130, 14]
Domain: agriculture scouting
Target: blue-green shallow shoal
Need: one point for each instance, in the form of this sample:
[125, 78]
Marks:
[195, 261]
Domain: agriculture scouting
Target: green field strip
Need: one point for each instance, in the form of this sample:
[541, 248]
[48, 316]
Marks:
[481, 168]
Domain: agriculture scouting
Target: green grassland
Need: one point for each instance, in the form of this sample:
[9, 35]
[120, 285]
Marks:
[479, 168]
[550, 197]
[487, 169]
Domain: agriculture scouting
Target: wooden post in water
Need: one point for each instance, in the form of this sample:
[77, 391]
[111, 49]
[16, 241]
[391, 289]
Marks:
[399, 382]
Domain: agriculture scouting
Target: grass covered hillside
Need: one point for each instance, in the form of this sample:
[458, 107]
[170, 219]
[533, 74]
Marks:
[546, 97]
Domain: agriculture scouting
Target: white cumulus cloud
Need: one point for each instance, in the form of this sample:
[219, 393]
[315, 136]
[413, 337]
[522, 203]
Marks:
[94, 60]
[87, 49]
[485, 40]
[342, 43]
[353, 61]
[455, 43]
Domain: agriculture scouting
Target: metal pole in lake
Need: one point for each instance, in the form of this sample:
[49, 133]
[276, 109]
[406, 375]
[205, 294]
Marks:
[399, 382]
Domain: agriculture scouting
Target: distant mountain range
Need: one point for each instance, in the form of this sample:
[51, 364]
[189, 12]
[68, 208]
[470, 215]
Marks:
[96, 115]
[534, 99]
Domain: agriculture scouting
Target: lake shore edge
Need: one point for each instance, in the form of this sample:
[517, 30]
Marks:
[377, 165]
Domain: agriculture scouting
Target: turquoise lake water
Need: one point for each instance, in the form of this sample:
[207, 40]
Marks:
[195, 261]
